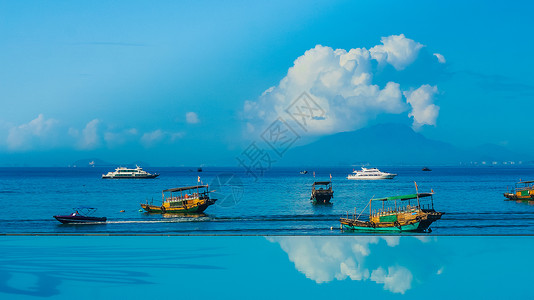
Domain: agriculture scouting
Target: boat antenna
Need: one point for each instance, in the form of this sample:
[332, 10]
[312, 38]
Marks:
[417, 193]
[432, 198]
[366, 207]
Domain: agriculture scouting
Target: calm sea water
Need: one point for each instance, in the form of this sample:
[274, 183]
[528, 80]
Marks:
[276, 204]
[252, 267]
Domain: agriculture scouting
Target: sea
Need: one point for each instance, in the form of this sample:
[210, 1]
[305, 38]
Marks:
[273, 202]
[263, 238]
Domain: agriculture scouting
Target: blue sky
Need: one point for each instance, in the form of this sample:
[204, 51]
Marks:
[116, 80]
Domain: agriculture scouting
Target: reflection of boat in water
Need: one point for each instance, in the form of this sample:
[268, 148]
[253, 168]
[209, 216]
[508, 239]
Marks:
[125, 173]
[426, 169]
[81, 215]
[370, 174]
[192, 199]
[396, 217]
[322, 192]
[303, 172]
[523, 190]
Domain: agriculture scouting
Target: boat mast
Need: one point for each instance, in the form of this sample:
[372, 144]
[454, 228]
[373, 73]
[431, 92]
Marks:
[417, 193]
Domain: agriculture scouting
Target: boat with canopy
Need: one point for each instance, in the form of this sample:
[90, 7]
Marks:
[189, 199]
[81, 215]
[322, 192]
[523, 190]
[396, 214]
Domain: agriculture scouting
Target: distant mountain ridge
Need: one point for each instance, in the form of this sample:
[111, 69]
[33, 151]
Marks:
[95, 162]
[390, 144]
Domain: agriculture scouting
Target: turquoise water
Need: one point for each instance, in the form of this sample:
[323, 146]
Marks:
[274, 267]
[275, 204]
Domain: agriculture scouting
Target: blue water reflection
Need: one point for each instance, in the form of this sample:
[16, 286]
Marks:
[222, 267]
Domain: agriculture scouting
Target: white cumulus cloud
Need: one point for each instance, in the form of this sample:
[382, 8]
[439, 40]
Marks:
[32, 134]
[323, 259]
[441, 58]
[89, 137]
[424, 111]
[397, 50]
[340, 84]
[397, 279]
[192, 118]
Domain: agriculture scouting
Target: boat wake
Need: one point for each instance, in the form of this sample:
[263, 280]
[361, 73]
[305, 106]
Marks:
[173, 220]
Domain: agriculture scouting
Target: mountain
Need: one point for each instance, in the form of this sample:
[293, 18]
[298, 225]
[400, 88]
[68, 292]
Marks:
[388, 144]
[91, 162]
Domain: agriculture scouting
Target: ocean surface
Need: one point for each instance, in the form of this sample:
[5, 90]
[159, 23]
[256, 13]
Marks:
[274, 203]
[273, 267]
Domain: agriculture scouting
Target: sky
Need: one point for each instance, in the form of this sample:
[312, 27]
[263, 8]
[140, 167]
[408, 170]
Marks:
[195, 82]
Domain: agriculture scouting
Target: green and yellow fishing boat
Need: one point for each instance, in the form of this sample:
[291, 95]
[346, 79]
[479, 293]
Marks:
[397, 214]
[190, 199]
[523, 190]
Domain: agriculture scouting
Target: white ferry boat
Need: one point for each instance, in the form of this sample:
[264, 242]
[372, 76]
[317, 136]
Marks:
[125, 173]
[370, 174]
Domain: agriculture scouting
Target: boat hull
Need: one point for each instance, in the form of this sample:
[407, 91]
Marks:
[390, 176]
[322, 197]
[420, 224]
[152, 176]
[80, 219]
[512, 196]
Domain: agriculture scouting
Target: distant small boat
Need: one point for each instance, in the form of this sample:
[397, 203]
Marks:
[199, 170]
[80, 216]
[303, 172]
[523, 190]
[426, 169]
[370, 174]
[125, 173]
[322, 192]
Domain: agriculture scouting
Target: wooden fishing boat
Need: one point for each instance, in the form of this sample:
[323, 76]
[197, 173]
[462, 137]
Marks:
[523, 190]
[190, 199]
[396, 215]
[81, 215]
[322, 192]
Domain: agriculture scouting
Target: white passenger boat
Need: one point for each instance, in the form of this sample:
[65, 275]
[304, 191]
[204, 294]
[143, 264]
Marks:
[370, 174]
[125, 173]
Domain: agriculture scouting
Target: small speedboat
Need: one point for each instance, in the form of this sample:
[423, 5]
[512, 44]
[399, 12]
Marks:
[81, 215]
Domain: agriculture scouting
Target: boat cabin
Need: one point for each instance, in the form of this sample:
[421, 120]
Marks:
[522, 190]
[185, 195]
[322, 192]
[398, 208]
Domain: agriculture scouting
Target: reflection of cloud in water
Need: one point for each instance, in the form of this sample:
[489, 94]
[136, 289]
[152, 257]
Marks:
[396, 279]
[324, 259]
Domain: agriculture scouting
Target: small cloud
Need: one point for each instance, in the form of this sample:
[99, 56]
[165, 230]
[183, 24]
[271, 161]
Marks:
[397, 50]
[397, 279]
[191, 118]
[31, 134]
[152, 138]
[119, 138]
[440, 57]
[424, 111]
[89, 137]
